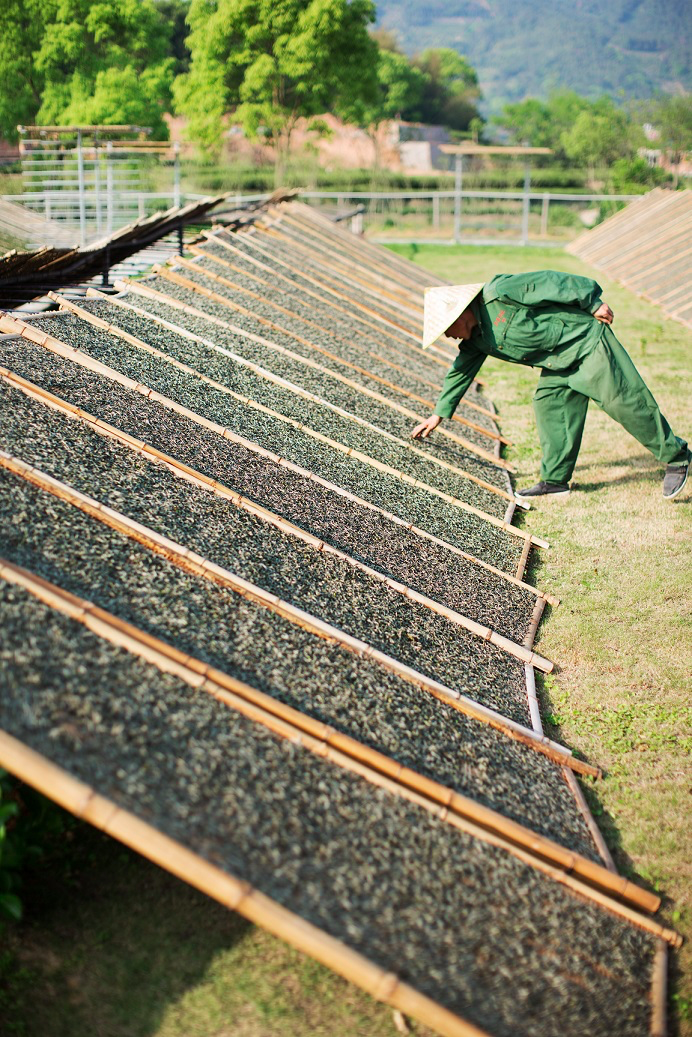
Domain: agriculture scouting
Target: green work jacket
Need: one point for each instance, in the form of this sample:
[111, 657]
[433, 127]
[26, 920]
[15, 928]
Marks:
[542, 319]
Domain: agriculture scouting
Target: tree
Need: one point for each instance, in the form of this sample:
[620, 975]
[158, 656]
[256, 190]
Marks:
[21, 84]
[541, 124]
[451, 92]
[400, 87]
[80, 61]
[601, 135]
[672, 117]
[274, 61]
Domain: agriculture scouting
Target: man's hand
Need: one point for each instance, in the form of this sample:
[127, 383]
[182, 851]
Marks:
[423, 430]
[604, 314]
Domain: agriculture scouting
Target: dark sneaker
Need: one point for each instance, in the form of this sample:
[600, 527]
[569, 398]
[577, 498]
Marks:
[546, 489]
[675, 479]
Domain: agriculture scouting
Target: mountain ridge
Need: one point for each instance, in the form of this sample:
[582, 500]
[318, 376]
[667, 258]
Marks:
[527, 48]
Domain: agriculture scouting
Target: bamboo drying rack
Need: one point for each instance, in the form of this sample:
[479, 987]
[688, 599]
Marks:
[85, 803]
[122, 303]
[10, 325]
[580, 875]
[251, 241]
[275, 379]
[485, 633]
[199, 253]
[184, 282]
[187, 559]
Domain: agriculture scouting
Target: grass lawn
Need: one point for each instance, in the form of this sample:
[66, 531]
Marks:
[113, 947]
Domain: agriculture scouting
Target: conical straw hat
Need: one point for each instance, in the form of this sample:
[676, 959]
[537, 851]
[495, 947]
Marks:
[442, 306]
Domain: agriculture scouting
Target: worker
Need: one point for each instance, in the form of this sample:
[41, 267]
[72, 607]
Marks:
[559, 323]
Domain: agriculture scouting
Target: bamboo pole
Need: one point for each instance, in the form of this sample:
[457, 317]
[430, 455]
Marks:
[219, 387]
[193, 286]
[659, 990]
[200, 253]
[521, 567]
[40, 338]
[595, 831]
[534, 708]
[85, 803]
[345, 752]
[268, 254]
[535, 620]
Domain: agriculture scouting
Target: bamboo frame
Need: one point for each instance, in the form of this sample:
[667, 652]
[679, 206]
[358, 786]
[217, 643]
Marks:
[523, 560]
[451, 697]
[184, 282]
[6, 321]
[118, 301]
[245, 400]
[200, 253]
[659, 990]
[564, 866]
[85, 803]
[220, 237]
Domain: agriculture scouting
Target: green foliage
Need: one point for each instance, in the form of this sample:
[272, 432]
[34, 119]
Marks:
[450, 94]
[27, 823]
[636, 176]
[671, 117]
[524, 50]
[590, 133]
[20, 82]
[600, 135]
[274, 62]
[80, 61]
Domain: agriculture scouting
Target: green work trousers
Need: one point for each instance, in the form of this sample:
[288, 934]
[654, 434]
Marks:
[607, 376]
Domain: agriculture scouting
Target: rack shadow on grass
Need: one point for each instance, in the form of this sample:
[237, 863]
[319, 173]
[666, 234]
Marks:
[120, 939]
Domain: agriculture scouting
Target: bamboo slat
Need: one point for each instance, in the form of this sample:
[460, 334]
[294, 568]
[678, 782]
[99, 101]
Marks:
[596, 833]
[578, 873]
[193, 286]
[84, 802]
[659, 990]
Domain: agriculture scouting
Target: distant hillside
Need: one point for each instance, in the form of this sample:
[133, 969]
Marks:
[528, 47]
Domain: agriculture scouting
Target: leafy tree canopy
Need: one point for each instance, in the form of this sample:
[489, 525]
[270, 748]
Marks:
[80, 61]
[275, 61]
[451, 92]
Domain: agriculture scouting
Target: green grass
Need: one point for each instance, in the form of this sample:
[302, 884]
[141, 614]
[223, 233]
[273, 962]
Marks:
[113, 947]
[620, 563]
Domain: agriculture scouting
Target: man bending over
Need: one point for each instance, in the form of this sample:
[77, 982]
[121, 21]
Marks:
[559, 323]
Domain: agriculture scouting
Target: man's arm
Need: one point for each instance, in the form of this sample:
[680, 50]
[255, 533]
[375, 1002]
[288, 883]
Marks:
[466, 366]
[546, 287]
